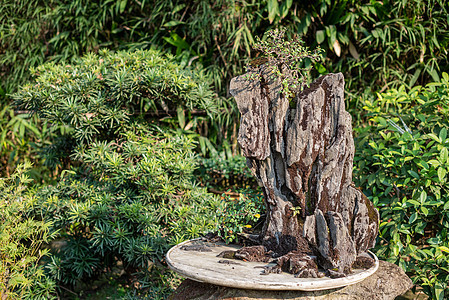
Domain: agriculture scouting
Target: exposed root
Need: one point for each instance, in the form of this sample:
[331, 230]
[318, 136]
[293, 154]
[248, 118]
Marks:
[254, 253]
[301, 265]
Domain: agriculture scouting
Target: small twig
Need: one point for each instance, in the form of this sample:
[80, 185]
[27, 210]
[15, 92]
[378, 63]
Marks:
[68, 290]
[221, 54]
[214, 191]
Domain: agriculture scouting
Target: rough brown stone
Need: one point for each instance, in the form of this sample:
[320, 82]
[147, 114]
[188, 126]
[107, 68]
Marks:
[301, 151]
[387, 283]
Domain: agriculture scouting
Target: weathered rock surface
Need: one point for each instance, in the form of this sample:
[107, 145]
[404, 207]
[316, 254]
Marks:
[301, 151]
[387, 283]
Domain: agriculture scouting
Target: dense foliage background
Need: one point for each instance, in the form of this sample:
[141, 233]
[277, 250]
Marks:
[139, 144]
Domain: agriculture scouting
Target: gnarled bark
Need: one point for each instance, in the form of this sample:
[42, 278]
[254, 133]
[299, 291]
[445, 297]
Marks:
[302, 156]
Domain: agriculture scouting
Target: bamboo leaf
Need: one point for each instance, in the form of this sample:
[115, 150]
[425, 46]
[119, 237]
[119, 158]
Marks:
[273, 10]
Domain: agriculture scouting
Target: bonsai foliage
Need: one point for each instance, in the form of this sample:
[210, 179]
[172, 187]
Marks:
[288, 60]
[21, 275]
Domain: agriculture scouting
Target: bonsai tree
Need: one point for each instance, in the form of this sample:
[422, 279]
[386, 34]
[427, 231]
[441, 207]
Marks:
[298, 143]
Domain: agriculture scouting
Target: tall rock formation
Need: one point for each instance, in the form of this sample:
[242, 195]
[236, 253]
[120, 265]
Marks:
[301, 151]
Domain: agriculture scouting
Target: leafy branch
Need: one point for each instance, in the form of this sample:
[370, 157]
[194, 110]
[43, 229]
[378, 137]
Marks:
[288, 60]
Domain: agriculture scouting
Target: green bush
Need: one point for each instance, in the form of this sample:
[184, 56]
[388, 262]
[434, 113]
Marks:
[402, 164]
[20, 138]
[395, 41]
[127, 192]
[21, 241]
[222, 172]
[101, 95]
[128, 201]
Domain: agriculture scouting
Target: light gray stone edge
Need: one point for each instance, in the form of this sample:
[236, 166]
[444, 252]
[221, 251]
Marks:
[207, 276]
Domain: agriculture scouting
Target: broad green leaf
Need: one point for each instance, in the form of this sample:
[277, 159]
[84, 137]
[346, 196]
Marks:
[414, 202]
[445, 76]
[444, 249]
[177, 41]
[123, 6]
[443, 155]
[439, 291]
[381, 121]
[434, 162]
[320, 68]
[396, 250]
[273, 10]
[424, 210]
[320, 35]
[446, 206]
[181, 116]
[413, 217]
[434, 241]
[423, 197]
[441, 173]
[443, 135]
[413, 173]
[424, 164]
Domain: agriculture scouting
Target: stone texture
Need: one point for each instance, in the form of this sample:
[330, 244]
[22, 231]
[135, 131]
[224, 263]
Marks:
[301, 151]
[387, 283]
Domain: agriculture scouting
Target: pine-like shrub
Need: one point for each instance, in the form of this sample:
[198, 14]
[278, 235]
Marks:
[127, 192]
[21, 241]
[402, 164]
[128, 201]
[101, 95]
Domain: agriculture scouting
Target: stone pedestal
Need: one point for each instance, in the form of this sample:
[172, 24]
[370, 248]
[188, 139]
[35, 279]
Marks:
[388, 282]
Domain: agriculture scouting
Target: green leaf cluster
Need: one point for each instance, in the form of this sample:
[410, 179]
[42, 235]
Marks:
[20, 136]
[224, 173]
[21, 239]
[403, 164]
[128, 201]
[240, 215]
[395, 41]
[127, 190]
[288, 60]
[101, 95]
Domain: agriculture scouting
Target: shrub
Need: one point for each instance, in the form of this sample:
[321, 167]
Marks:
[403, 167]
[224, 172]
[128, 191]
[21, 241]
[20, 138]
[101, 95]
[397, 43]
[128, 201]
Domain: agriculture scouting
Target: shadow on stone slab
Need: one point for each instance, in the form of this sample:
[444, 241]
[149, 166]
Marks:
[388, 282]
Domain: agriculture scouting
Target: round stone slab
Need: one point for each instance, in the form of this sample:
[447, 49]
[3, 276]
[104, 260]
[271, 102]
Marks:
[197, 260]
